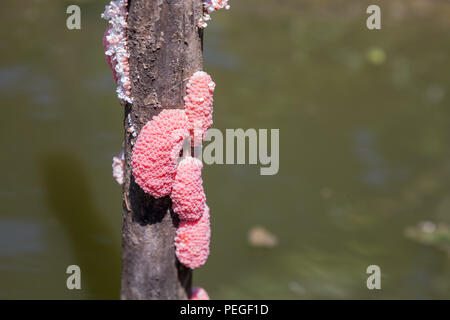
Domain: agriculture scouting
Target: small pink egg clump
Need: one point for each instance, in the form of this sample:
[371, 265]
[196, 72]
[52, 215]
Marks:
[198, 293]
[188, 196]
[116, 46]
[192, 241]
[118, 167]
[109, 58]
[156, 151]
[210, 6]
[198, 104]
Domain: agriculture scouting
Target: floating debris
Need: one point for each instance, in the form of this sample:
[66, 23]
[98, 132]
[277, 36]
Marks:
[376, 56]
[259, 236]
[432, 234]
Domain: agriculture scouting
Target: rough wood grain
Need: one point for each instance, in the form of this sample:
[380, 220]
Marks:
[166, 49]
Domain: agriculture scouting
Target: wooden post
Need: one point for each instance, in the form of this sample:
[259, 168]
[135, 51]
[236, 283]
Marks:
[165, 45]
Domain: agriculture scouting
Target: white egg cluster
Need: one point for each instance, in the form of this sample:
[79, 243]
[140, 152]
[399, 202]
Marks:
[116, 46]
[210, 6]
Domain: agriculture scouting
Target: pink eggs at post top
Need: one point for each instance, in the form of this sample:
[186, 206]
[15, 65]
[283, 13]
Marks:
[188, 196]
[210, 6]
[192, 241]
[156, 151]
[116, 48]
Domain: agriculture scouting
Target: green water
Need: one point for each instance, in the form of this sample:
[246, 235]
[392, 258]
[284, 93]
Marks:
[364, 125]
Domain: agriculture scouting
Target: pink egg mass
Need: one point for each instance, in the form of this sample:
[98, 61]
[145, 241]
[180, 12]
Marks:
[157, 171]
[108, 58]
[198, 104]
[198, 293]
[210, 6]
[118, 167]
[192, 241]
[156, 151]
[188, 197]
[115, 45]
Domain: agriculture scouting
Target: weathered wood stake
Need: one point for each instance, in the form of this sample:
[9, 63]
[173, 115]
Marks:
[166, 49]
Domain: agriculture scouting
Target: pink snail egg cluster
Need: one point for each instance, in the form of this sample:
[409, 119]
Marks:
[188, 196]
[108, 58]
[210, 6]
[157, 172]
[118, 167]
[198, 104]
[198, 293]
[192, 241]
[116, 47]
[156, 151]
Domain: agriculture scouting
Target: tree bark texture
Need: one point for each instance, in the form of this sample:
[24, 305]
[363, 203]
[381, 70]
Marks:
[166, 49]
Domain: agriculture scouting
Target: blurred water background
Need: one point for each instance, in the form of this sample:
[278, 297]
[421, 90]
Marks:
[364, 174]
